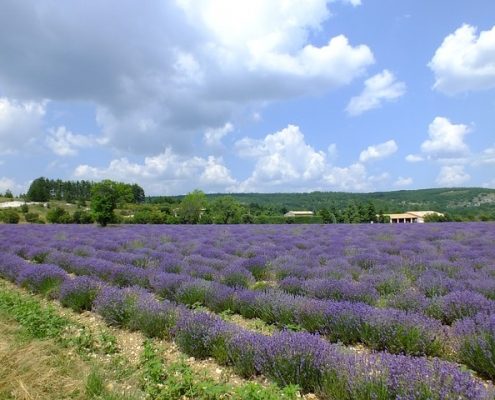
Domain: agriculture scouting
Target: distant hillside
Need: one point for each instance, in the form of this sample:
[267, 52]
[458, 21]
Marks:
[457, 201]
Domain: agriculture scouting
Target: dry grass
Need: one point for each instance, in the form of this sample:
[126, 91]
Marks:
[37, 369]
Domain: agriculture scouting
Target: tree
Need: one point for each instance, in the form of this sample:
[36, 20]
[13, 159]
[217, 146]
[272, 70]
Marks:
[247, 219]
[191, 207]
[138, 193]
[325, 216]
[104, 197]
[8, 194]
[39, 190]
[226, 210]
[372, 212]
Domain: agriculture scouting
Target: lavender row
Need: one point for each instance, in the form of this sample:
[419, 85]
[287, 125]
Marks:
[286, 358]
[374, 265]
[381, 329]
[446, 305]
[349, 323]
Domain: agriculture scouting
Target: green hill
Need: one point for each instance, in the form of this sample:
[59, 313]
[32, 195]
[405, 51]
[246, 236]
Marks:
[468, 203]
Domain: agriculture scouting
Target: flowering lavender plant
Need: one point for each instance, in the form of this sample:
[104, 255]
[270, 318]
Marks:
[42, 278]
[79, 293]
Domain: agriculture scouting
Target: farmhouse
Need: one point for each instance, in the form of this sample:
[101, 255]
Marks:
[299, 214]
[411, 217]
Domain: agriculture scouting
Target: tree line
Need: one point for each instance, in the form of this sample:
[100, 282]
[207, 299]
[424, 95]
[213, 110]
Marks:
[43, 190]
[117, 202]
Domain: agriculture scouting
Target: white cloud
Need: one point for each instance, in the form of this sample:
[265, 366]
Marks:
[378, 151]
[351, 178]
[257, 117]
[20, 123]
[65, 143]
[192, 67]
[487, 156]
[166, 173]
[6, 184]
[379, 88]
[401, 181]
[213, 137]
[490, 184]
[282, 162]
[332, 152]
[465, 61]
[285, 162]
[215, 174]
[355, 3]
[446, 140]
[413, 158]
[452, 175]
[10, 184]
[283, 158]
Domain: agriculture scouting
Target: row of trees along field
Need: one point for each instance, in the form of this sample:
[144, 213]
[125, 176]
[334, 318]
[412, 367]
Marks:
[116, 202]
[196, 207]
[42, 189]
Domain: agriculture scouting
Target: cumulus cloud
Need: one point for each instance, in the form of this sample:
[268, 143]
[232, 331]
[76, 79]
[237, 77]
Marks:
[446, 140]
[282, 158]
[487, 156]
[213, 137]
[489, 184]
[332, 152]
[285, 162]
[355, 3]
[9, 184]
[413, 158]
[20, 123]
[452, 175]
[352, 178]
[65, 143]
[189, 69]
[165, 173]
[401, 181]
[465, 61]
[378, 151]
[378, 89]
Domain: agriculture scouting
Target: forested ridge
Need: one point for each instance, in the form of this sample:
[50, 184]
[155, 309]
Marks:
[132, 206]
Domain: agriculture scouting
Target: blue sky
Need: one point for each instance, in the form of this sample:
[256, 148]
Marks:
[249, 96]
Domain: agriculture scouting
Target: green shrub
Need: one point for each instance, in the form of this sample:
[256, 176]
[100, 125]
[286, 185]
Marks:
[10, 216]
[32, 217]
[82, 217]
[58, 215]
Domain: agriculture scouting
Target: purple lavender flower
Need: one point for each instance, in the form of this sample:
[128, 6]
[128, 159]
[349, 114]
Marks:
[154, 318]
[11, 266]
[80, 292]
[202, 335]
[42, 278]
[117, 306]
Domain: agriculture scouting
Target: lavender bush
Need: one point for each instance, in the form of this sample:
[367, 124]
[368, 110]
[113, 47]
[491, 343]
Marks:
[79, 293]
[116, 306]
[42, 278]
[154, 318]
[476, 343]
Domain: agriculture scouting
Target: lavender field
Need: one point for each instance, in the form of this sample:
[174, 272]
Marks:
[360, 311]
